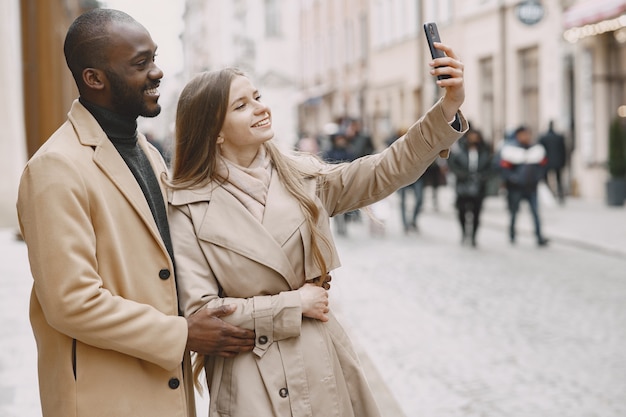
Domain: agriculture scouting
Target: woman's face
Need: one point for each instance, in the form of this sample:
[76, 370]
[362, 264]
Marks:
[247, 125]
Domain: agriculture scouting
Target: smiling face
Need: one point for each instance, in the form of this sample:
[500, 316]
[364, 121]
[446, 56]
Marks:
[131, 73]
[248, 123]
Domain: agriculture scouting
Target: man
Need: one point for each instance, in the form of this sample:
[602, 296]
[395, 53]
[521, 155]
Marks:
[92, 211]
[522, 165]
[556, 152]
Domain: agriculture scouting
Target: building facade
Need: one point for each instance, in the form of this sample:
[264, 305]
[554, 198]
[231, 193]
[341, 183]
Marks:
[596, 34]
[318, 62]
[527, 62]
[260, 37]
[38, 88]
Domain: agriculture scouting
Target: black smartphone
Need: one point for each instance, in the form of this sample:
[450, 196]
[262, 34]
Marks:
[432, 36]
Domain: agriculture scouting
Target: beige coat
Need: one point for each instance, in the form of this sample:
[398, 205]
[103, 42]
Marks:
[103, 307]
[300, 366]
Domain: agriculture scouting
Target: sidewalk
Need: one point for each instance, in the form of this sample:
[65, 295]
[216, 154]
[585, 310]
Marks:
[591, 225]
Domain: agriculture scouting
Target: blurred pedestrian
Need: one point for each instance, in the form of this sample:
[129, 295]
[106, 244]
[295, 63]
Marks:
[250, 227]
[434, 177]
[359, 142]
[470, 162]
[523, 165]
[336, 154]
[554, 143]
[409, 222]
[308, 144]
[416, 189]
[339, 149]
[91, 207]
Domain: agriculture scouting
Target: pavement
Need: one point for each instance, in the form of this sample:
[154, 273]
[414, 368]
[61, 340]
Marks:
[588, 225]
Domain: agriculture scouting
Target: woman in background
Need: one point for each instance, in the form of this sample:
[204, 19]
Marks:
[470, 162]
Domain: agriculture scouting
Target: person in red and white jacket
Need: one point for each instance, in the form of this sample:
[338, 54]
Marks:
[522, 165]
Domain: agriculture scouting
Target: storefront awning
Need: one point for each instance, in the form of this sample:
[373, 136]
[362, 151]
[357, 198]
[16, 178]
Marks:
[592, 11]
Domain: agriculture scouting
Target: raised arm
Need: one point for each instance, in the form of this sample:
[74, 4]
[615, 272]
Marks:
[455, 89]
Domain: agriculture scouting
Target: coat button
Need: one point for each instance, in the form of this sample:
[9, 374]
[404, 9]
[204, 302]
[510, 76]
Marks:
[173, 383]
[262, 340]
[164, 273]
[283, 392]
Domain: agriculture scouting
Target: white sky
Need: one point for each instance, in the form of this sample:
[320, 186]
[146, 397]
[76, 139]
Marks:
[163, 19]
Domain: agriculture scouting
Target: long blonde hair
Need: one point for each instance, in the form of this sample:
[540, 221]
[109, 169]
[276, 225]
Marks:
[200, 114]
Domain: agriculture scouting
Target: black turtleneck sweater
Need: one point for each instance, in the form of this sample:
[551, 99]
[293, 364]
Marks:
[122, 132]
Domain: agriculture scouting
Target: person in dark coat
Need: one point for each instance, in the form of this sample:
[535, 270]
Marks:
[359, 142]
[470, 162]
[522, 165]
[435, 177]
[554, 143]
[339, 152]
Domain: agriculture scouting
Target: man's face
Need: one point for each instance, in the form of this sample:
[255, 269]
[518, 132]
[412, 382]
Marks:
[524, 137]
[133, 77]
[473, 138]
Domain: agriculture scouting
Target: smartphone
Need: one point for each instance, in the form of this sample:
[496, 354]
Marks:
[432, 36]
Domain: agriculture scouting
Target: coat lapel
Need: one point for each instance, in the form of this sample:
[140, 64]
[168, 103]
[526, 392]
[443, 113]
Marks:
[228, 224]
[283, 215]
[108, 159]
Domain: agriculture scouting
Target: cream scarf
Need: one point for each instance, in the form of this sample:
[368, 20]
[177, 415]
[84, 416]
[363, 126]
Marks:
[248, 185]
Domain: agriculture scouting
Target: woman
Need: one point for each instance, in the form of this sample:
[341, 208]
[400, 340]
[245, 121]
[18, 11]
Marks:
[471, 164]
[250, 227]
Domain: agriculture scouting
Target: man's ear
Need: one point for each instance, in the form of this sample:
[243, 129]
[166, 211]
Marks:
[94, 78]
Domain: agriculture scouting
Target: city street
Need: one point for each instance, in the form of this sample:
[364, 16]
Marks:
[443, 330]
[500, 330]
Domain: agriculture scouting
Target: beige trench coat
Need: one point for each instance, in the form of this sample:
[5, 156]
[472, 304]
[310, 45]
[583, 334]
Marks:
[300, 366]
[104, 304]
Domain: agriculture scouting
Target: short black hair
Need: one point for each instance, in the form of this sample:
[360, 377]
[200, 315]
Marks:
[519, 129]
[87, 39]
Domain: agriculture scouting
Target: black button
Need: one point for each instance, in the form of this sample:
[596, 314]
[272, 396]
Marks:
[283, 392]
[164, 273]
[262, 340]
[173, 383]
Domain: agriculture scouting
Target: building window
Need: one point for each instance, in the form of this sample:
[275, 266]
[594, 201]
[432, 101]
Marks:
[528, 67]
[393, 21]
[272, 19]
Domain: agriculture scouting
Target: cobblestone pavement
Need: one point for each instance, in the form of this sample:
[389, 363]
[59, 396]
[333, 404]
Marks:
[442, 330]
[500, 330]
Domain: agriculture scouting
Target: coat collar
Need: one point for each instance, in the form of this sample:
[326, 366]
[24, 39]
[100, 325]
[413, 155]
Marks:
[108, 159]
[225, 222]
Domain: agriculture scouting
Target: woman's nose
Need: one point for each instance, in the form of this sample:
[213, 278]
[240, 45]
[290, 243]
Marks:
[262, 108]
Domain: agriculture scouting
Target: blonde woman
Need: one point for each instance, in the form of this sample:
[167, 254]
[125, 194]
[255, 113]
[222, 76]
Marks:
[250, 227]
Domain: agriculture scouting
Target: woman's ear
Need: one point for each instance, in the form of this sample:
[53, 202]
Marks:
[220, 139]
[94, 78]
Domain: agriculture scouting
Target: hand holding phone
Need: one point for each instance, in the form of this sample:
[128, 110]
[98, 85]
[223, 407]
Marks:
[432, 36]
